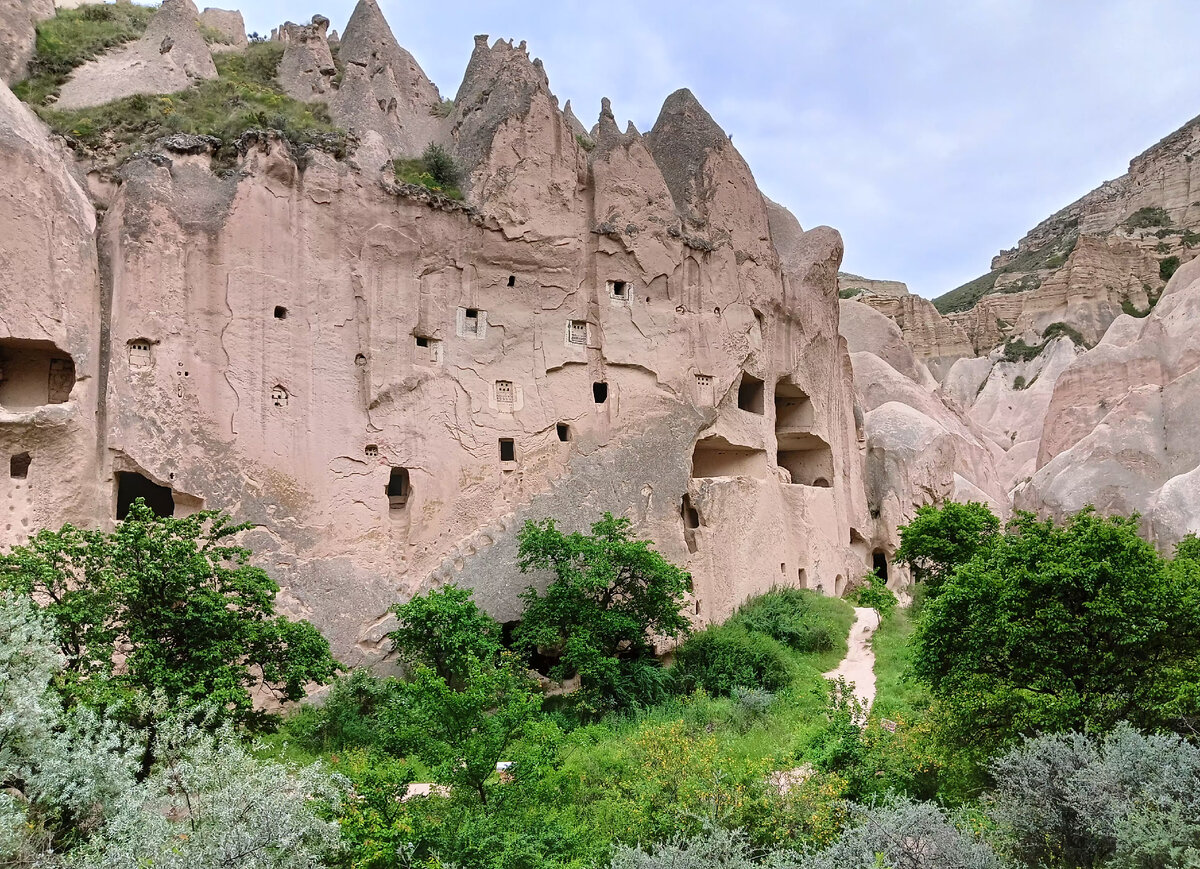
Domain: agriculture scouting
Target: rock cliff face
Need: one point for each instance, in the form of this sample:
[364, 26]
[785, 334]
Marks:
[387, 383]
[1110, 251]
[18, 19]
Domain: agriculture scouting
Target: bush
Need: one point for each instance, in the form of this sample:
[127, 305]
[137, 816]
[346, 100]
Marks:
[1017, 350]
[445, 630]
[348, 718]
[786, 615]
[1019, 382]
[1167, 267]
[434, 170]
[876, 595]
[1127, 800]
[1059, 330]
[725, 657]
[1149, 216]
[901, 833]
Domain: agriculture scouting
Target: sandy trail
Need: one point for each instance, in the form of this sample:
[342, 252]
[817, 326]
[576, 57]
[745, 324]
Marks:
[859, 664]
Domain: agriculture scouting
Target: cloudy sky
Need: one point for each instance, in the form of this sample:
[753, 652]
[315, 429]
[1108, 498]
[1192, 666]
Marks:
[931, 134]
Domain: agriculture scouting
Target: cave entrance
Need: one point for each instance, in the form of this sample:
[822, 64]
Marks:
[880, 563]
[132, 485]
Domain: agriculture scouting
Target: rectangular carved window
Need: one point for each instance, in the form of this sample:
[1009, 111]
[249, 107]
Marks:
[504, 395]
[577, 332]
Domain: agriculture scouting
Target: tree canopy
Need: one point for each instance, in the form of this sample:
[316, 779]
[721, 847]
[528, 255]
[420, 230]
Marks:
[1050, 628]
[940, 539]
[611, 595]
[166, 606]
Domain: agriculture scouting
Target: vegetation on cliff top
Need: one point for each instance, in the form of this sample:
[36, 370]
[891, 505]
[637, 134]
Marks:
[245, 95]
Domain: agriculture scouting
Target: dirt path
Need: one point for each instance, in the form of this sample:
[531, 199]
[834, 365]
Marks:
[859, 664]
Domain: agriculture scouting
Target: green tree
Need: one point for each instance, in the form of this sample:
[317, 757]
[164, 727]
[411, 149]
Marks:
[1051, 628]
[940, 539]
[445, 630]
[611, 595]
[463, 734]
[193, 621]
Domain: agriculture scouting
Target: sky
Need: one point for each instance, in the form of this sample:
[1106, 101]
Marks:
[930, 134]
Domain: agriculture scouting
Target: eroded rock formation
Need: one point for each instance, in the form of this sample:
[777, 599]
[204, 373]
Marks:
[387, 383]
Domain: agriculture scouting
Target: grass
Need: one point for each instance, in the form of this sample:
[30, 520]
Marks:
[1150, 216]
[895, 695]
[73, 37]
[243, 97]
[417, 171]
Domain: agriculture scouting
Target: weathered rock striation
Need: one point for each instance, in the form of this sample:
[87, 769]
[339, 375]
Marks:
[388, 384]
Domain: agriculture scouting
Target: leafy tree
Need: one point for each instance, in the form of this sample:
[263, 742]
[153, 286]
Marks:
[192, 619]
[1056, 628]
[441, 165]
[876, 595]
[463, 734]
[445, 630]
[611, 595]
[940, 539]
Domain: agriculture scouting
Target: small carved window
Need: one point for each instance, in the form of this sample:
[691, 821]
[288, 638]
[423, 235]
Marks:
[279, 396]
[18, 466]
[618, 290]
[704, 390]
[504, 395]
[512, 280]
[398, 488]
[508, 450]
[577, 332]
[471, 321]
[564, 432]
[371, 451]
[600, 392]
[428, 349]
[140, 355]
[280, 312]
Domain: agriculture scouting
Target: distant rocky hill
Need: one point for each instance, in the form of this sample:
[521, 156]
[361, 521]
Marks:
[1107, 253]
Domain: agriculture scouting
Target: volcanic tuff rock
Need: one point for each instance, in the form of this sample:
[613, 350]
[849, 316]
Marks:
[1120, 430]
[306, 71]
[170, 56]
[387, 384]
[384, 91]
[229, 24]
[848, 283]
[18, 18]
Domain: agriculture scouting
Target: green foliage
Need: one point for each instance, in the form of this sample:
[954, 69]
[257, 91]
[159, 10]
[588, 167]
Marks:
[446, 631]
[1019, 382]
[876, 595]
[463, 734]
[444, 109]
[1016, 350]
[1124, 800]
[940, 539]
[1053, 628]
[611, 594]
[1190, 238]
[585, 142]
[434, 170]
[244, 96]
[850, 293]
[73, 37]
[349, 717]
[1147, 217]
[1167, 267]
[787, 615]
[1059, 330]
[724, 657]
[194, 619]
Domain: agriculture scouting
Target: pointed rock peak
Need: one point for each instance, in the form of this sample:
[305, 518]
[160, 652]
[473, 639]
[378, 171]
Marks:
[607, 123]
[573, 122]
[682, 139]
[631, 131]
[368, 38]
[499, 84]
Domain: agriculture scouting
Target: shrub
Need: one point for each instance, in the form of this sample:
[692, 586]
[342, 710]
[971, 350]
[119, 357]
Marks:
[850, 293]
[1019, 382]
[1128, 800]
[713, 849]
[876, 595]
[434, 170]
[725, 657]
[786, 615]
[349, 717]
[1148, 216]
[1059, 330]
[1167, 267]
[1017, 350]
[900, 833]
[445, 630]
